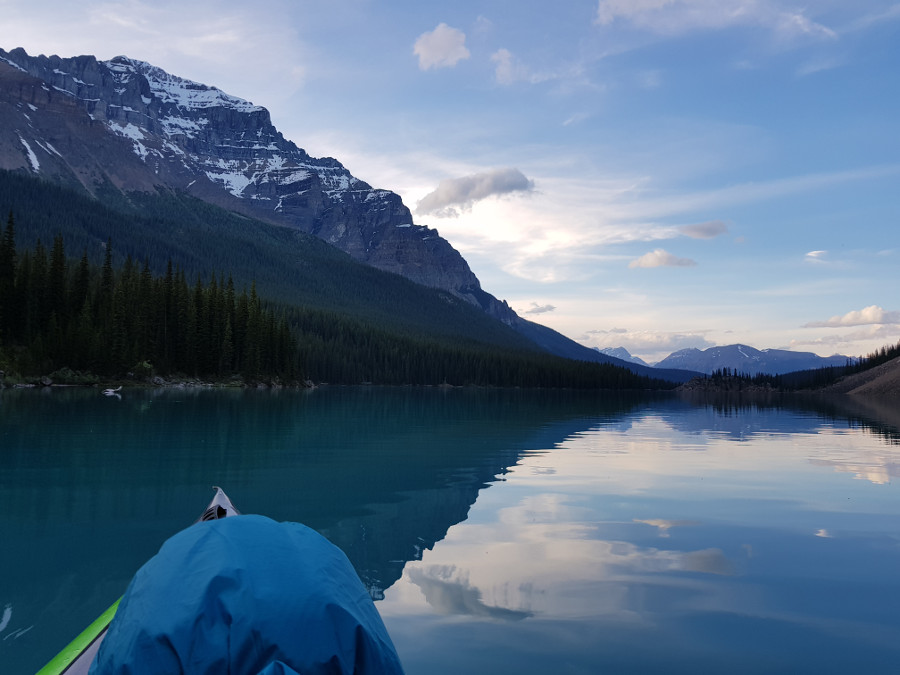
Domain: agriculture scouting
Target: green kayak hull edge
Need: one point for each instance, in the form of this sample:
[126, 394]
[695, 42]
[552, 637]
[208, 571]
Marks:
[62, 661]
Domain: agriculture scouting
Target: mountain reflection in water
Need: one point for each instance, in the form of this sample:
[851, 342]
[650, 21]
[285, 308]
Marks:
[500, 530]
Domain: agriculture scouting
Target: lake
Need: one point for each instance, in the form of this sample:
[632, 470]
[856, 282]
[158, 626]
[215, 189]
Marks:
[500, 531]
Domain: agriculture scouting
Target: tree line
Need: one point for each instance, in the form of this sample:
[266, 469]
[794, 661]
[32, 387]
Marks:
[290, 267]
[81, 321]
[800, 380]
[56, 313]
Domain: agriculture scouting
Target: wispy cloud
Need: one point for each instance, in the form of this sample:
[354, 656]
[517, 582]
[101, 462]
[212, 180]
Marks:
[817, 257]
[676, 17]
[866, 21]
[661, 258]
[707, 230]
[455, 194]
[507, 69]
[443, 47]
[540, 309]
[868, 316]
[819, 65]
[745, 193]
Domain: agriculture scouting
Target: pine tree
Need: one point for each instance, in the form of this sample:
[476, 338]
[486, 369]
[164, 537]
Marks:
[57, 282]
[7, 278]
[81, 285]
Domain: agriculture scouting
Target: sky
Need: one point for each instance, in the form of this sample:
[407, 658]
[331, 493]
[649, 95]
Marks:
[651, 174]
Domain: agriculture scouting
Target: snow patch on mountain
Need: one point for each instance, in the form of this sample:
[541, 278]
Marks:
[184, 94]
[173, 125]
[137, 137]
[32, 158]
[11, 63]
[235, 181]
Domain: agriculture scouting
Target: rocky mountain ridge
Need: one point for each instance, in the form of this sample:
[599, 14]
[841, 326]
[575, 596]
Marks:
[128, 124]
[748, 360]
[623, 354]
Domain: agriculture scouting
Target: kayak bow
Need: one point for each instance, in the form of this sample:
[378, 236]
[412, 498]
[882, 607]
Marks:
[77, 656]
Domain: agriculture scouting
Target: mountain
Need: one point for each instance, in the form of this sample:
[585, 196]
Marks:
[882, 380]
[150, 144]
[747, 360]
[131, 125]
[128, 134]
[623, 354]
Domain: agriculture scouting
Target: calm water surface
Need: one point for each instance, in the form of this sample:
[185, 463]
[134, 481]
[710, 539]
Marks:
[499, 531]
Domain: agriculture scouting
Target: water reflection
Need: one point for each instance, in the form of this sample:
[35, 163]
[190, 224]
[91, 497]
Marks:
[448, 591]
[769, 563]
[633, 529]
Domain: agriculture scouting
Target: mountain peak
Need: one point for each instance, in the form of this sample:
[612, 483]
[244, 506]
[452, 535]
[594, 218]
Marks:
[747, 359]
[131, 125]
[182, 93]
[621, 353]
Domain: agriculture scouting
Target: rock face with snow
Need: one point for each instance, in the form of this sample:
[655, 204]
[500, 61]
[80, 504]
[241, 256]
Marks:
[747, 360]
[130, 125]
[621, 353]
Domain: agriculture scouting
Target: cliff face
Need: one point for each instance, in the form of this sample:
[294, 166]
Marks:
[128, 124]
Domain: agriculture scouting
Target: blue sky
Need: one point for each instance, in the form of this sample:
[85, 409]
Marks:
[653, 174]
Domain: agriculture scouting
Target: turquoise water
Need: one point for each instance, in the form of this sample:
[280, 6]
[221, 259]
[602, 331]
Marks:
[499, 531]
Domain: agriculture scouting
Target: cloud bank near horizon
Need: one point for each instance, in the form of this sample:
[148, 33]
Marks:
[872, 315]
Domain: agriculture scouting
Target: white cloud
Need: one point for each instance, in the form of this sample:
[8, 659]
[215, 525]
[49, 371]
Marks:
[443, 47]
[661, 258]
[815, 257]
[707, 230]
[857, 342]
[676, 17]
[453, 194]
[507, 68]
[540, 309]
[868, 316]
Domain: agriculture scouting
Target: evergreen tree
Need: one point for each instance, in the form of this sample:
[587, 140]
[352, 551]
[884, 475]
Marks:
[7, 277]
[57, 281]
[81, 284]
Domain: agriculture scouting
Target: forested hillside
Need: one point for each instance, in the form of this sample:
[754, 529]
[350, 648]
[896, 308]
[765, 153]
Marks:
[831, 379]
[79, 322]
[288, 266]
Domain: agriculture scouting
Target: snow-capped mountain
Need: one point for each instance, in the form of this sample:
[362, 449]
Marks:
[621, 353]
[747, 360]
[124, 126]
[129, 125]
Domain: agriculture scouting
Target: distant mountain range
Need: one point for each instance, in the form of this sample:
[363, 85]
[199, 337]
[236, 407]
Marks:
[622, 354]
[145, 143]
[740, 358]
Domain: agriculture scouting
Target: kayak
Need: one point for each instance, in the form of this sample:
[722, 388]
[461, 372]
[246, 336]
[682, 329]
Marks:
[76, 658]
[244, 595]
